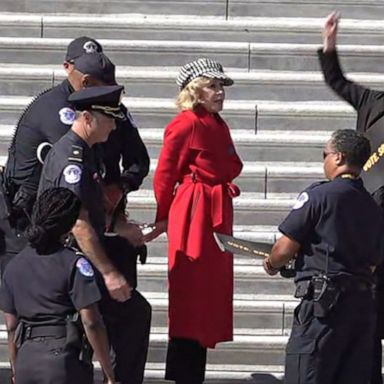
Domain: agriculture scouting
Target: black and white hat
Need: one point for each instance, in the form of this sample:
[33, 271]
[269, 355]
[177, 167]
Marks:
[202, 67]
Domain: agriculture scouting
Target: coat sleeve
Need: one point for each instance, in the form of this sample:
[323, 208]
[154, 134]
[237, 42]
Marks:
[355, 94]
[173, 159]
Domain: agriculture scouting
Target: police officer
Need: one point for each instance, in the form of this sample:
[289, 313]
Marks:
[46, 343]
[335, 229]
[71, 163]
[369, 105]
[46, 120]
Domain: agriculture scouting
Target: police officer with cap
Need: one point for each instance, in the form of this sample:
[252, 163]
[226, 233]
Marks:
[45, 121]
[71, 163]
[46, 338]
[335, 232]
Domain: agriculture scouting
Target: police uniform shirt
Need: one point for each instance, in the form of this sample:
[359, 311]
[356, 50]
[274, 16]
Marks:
[339, 228]
[71, 164]
[48, 118]
[47, 287]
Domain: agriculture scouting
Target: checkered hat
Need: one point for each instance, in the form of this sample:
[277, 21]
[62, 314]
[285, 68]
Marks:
[201, 67]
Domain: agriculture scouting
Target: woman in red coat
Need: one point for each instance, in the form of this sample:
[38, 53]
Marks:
[194, 191]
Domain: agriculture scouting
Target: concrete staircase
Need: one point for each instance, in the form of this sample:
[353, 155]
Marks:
[280, 112]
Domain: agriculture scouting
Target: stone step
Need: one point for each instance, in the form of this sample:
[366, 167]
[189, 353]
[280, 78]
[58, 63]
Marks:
[158, 248]
[254, 314]
[274, 147]
[371, 9]
[216, 374]
[271, 56]
[249, 279]
[245, 349]
[250, 209]
[267, 154]
[239, 114]
[269, 180]
[199, 7]
[258, 350]
[188, 27]
[29, 80]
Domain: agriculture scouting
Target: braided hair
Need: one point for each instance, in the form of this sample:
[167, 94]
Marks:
[54, 214]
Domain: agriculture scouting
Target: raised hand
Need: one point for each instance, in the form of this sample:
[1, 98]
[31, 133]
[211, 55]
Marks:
[330, 31]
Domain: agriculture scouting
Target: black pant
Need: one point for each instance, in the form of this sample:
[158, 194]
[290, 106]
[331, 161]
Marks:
[128, 334]
[376, 375]
[49, 360]
[186, 361]
[128, 324]
[336, 349]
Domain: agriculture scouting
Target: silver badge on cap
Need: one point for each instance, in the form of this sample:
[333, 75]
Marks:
[90, 47]
[67, 115]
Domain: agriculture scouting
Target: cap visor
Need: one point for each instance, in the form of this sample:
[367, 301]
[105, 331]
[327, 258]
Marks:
[221, 76]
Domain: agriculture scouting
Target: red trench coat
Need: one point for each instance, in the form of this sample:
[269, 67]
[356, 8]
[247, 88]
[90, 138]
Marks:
[193, 189]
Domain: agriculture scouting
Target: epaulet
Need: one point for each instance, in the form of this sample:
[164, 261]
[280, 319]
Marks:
[75, 250]
[76, 154]
[314, 185]
[23, 114]
[78, 252]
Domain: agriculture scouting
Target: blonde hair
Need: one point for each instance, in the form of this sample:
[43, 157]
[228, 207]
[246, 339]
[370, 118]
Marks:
[188, 97]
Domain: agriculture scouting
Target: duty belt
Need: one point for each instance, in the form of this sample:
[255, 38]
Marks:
[304, 288]
[26, 331]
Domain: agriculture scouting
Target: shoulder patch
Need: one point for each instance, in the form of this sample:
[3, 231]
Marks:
[301, 200]
[72, 173]
[84, 267]
[67, 115]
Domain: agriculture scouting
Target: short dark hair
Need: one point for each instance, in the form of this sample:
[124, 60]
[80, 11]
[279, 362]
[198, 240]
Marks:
[354, 145]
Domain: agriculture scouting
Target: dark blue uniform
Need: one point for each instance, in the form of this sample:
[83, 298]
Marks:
[46, 120]
[369, 105]
[63, 283]
[72, 164]
[340, 230]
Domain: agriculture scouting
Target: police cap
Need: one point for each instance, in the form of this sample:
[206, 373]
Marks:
[105, 99]
[97, 65]
[81, 45]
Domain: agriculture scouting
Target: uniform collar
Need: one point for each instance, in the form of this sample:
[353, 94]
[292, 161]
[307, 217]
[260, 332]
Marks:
[76, 139]
[67, 87]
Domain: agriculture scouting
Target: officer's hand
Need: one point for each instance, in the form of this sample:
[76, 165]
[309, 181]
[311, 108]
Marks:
[330, 31]
[268, 267]
[158, 228]
[117, 286]
[132, 233]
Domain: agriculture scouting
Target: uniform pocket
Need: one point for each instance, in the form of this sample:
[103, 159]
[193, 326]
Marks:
[303, 313]
[299, 363]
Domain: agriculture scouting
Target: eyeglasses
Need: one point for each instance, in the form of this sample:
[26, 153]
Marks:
[325, 154]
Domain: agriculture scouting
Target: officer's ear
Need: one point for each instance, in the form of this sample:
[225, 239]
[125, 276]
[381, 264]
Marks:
[68, 67]
[339, 158]
[86, 81]
[88, 117]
